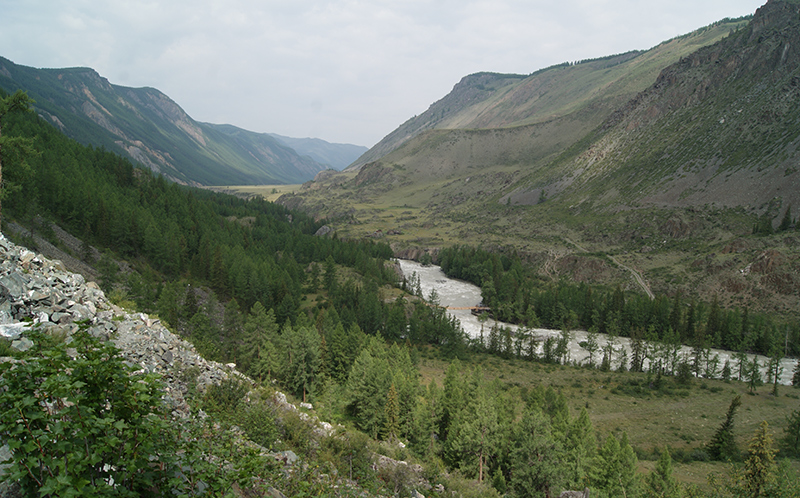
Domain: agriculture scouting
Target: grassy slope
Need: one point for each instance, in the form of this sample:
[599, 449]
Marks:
[487, 100]
[684, 420]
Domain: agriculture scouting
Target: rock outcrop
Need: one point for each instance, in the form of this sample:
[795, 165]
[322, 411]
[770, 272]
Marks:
[35, 291]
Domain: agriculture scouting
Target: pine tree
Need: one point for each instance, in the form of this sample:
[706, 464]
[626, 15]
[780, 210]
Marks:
[19, 102]
[660, 483]
[536, 466]
[753, 375]
[392, 413]
[614, 470]
[302, 370]
[592, 345]
[790, 443]
[473, 434]
[260, 329]
[726, 371]
[580, 447]
[786, 222]
[453, 397]
[760, 462]
[427, 420]
[796, 375]
[723, 445]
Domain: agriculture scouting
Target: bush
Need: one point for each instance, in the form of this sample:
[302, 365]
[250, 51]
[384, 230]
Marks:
[350, 453]
[79, 423]
[223, 399]
[258, 422]
[684, 374]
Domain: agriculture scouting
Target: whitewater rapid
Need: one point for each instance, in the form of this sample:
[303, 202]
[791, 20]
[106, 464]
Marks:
[454, 293]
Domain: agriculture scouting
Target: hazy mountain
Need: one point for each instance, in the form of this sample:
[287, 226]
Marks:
[148, 126]
[337, 156]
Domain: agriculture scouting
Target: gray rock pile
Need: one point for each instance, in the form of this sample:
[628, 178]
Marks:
[35, 291]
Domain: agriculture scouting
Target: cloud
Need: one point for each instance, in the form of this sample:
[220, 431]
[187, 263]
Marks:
[342, 70]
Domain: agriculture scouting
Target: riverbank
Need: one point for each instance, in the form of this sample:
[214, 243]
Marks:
[452, 293]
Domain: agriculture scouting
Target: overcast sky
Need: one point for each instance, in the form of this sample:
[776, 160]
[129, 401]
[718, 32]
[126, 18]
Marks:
[347, 71]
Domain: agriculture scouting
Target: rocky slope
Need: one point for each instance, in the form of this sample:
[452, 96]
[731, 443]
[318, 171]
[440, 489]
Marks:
[37, 291]
[718, 127]
[44, 293]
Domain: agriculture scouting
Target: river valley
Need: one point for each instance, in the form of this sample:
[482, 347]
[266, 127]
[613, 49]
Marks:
[452, 293]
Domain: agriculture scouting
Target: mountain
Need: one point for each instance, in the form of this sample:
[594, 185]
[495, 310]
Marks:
[337, 156]
[597, 86]
[659, 165]
[147, 126]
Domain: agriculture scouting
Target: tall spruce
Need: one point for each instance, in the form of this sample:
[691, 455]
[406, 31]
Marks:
[392, 415]
[536, 457]
[660, 483]
[614, 469]
[790, 443]
[760, 463]
[723, 444]
[18, 147]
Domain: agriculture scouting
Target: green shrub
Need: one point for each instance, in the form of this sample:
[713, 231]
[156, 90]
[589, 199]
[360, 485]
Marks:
[79, 422]
[82, 426]
[258, 422]
[223, 399]
[350, 453]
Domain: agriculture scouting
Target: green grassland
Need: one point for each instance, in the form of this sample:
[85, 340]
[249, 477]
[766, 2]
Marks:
[683, 418]
[268, 192]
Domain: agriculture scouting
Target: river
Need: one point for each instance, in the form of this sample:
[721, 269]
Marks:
[459, 294]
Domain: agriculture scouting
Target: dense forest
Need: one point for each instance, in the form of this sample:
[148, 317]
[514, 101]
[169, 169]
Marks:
[332, 322]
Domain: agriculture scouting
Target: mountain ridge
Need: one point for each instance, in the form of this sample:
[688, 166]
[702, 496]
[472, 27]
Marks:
[149, 127]
[336, 155]
[494, 100]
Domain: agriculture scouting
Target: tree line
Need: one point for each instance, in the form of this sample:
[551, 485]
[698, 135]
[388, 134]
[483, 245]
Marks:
[517, 295]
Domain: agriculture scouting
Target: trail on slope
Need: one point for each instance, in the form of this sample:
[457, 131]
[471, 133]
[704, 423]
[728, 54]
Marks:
[636, 275]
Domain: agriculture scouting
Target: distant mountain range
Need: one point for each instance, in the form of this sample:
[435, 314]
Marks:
[152, 129]
[338, 156]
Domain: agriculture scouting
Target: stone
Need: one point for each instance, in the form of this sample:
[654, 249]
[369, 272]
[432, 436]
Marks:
[13, 285]
[288, 457]
[12, 330]
[26, 256]
[323, 231]
[22, 344]
[274, 493]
